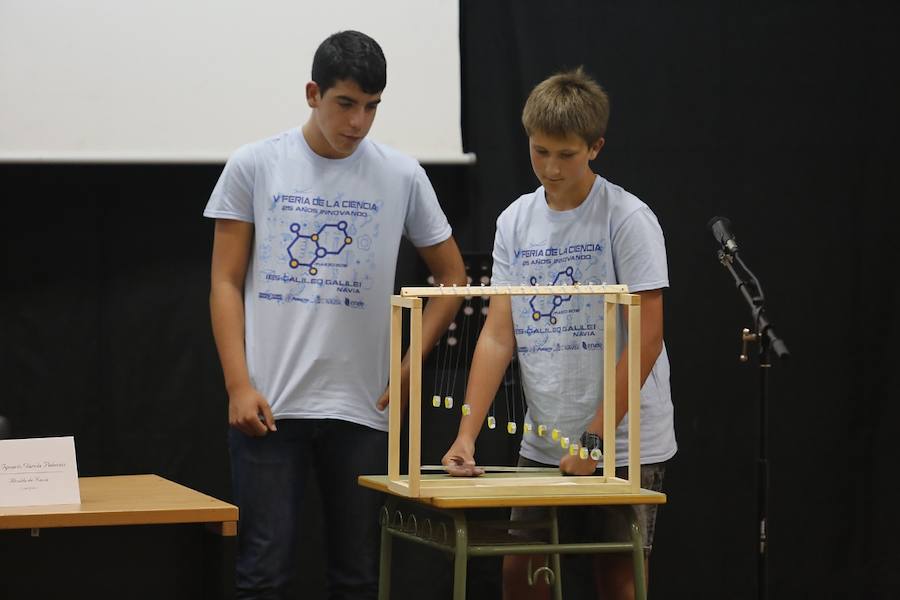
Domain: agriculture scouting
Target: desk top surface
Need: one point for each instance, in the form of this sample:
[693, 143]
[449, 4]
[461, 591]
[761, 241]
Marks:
[380, 483]
[125, 500]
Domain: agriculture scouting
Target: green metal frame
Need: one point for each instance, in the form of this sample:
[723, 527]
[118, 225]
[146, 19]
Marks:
[462, 545]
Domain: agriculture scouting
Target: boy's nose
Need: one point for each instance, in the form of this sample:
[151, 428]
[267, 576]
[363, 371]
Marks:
[356, 119]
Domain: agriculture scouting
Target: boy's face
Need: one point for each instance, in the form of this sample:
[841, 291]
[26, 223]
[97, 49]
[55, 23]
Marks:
[341, 117]
[561, 163]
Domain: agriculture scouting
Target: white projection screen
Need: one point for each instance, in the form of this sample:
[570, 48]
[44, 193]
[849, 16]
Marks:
[188, 81]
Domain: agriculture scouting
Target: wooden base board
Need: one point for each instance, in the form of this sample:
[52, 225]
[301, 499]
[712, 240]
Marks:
[553, 485]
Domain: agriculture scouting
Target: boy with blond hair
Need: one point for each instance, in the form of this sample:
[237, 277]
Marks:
[577, 227]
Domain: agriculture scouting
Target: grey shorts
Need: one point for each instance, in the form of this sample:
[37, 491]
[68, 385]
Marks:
[582, 524]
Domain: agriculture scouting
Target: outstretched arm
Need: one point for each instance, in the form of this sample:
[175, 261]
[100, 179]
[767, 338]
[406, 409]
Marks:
[495, 347]
[651, 347]
[446, 266]
[248, 411]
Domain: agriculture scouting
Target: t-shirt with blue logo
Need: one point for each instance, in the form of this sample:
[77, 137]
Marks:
[610, 238]
[321, 272]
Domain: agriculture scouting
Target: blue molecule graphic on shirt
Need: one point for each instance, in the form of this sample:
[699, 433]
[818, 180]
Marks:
[544, 306]
[306, 250]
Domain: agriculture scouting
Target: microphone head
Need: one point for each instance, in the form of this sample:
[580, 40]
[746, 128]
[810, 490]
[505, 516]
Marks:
[712, 222]
[721, 230]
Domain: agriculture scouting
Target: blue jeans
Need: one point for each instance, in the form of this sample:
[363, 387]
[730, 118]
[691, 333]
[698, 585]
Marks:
[269, 475]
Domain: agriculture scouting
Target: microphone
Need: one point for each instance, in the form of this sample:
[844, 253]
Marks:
[721, 230]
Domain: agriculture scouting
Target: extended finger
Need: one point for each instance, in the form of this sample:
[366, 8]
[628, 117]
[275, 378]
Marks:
[460, 469]
[268, 419]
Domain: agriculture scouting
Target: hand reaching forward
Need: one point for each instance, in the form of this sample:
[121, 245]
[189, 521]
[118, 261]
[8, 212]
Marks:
[460, 459]
[575, 465]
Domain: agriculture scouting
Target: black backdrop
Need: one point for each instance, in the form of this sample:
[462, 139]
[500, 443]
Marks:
[781, 116]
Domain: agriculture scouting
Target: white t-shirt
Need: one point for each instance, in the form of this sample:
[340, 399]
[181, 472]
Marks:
[612, 237]
[321, 273]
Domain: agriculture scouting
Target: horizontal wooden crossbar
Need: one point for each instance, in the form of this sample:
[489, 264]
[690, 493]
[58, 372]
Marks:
[513, 290]
[479, 487]
[406, 301]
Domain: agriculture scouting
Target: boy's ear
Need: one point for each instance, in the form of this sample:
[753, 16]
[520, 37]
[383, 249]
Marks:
[312, 94]
[595, 148]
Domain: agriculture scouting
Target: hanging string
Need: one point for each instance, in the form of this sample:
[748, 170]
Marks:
[506, 375]
[565, 387]
[437, 366]
[466, 409]
[475, 333]
[436, 360]
[563, 398]
[448, 358]
[482, 314]
[569, 439]
[467, 313]
[511, 401]
[508, 381]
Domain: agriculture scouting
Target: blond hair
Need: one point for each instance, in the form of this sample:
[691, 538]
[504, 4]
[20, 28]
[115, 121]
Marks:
[567, 103]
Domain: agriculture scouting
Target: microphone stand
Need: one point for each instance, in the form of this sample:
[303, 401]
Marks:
[765, 336]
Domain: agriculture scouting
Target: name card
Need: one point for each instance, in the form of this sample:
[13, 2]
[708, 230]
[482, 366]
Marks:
[38, 471]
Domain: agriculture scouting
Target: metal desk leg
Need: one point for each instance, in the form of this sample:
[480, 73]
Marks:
[461, 555]
[384, 568]
[637, 553]
[554, 558]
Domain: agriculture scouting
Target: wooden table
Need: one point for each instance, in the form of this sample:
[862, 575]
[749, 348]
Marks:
[447, 527]
[127, 500]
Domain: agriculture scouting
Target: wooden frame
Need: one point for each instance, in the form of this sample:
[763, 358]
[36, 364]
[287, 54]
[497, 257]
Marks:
[413, 485]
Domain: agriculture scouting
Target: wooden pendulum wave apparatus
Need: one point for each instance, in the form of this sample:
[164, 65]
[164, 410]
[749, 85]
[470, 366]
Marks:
[411, 484]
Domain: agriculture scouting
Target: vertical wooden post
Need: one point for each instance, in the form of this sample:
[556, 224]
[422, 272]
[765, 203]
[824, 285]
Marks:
[634, 394]
[610, 356]
[415, 396]
[394, 408]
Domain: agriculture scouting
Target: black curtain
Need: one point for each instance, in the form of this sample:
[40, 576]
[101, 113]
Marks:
[781, 116]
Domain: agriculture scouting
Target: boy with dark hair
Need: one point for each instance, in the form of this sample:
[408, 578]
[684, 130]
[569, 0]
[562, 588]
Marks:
[308, 226]
[353, 56]
[577, 227]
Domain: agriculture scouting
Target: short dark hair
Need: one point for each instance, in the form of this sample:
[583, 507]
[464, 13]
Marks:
[350, 55]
